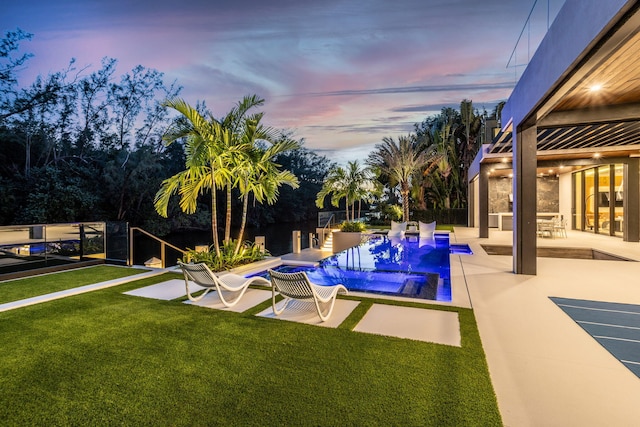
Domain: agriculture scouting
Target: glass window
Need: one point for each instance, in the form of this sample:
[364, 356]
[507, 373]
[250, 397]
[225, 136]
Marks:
[590, 205]
[598, 200]
[604, 200]
[618, 213]
[577, 199]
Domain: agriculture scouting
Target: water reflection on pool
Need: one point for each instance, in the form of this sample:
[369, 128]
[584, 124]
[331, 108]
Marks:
[409, 266]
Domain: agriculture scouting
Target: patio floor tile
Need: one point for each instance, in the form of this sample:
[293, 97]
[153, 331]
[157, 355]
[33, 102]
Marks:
[305, 312]
[436, 326]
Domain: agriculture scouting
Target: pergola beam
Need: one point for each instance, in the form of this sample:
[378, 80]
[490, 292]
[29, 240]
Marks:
[606, 114]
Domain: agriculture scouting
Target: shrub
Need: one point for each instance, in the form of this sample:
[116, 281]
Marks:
[249, 252]
[393, 212]
[355, 226]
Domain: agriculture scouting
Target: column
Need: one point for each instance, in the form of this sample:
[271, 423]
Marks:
[631, 209]
[524, 200]
[471, 203]
[483, 201]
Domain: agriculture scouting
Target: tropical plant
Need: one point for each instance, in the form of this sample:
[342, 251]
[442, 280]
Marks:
[206, 163]
[393, 212]
[229, 255]
[398, 161]
[352, 183]
[237, 151]
[240, 127]
[352, 226]
[259, 174]
[453, 137]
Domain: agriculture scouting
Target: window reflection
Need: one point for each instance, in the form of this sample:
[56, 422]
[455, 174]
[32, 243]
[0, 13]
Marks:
[599, 200]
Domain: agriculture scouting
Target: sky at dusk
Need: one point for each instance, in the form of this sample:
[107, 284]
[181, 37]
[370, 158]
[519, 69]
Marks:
[340, 74]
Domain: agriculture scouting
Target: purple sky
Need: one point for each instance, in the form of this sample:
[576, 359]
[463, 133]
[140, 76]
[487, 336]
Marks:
[341, 74]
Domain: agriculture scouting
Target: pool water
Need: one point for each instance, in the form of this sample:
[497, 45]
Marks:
[408, 266]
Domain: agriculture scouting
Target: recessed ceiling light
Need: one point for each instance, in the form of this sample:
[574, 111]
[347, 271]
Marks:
[596, 155]
[596, 87]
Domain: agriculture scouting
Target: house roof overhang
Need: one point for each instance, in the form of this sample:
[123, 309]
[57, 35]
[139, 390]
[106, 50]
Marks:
[573, 120]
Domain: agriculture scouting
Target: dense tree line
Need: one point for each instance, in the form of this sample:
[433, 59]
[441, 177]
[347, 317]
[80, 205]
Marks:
[86, 145]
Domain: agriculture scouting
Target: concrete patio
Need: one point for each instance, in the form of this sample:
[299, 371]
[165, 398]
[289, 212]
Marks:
[546, 370]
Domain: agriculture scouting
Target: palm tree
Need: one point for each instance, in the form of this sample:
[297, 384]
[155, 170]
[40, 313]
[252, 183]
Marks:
[361, 185]
[258, 173]
[443, 177]
[398, 161]
[206, 163]
[235, 122]
[335, 184]
[352, 183]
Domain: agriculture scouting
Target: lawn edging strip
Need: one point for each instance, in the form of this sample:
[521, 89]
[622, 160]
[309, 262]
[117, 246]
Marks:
[79, 290]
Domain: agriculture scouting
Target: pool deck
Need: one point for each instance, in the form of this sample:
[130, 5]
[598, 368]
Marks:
[546, 370]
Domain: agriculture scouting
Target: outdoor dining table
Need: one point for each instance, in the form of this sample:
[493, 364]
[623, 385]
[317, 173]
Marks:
[545, 226]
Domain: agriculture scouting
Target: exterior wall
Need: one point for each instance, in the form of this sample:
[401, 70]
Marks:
[548, 197]
[548, 194]
[476, 207]
[499, 190]
[565, 197]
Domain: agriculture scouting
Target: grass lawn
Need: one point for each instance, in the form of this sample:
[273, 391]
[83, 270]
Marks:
[14, 290]
[104, 358]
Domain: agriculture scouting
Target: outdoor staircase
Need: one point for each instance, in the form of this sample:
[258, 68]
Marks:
[328, 243]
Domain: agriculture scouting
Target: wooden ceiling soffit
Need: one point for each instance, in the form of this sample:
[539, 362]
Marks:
[604, 54]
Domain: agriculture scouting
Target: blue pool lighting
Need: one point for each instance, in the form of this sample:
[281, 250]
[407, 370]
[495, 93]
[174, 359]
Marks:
[409, 266]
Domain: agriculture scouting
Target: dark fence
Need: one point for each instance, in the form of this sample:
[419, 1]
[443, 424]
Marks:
[442, 216]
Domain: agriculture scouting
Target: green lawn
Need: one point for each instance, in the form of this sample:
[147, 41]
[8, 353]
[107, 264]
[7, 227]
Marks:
[104, 358]
[14, 290]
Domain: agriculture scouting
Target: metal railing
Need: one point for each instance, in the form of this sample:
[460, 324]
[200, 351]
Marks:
[163, 246]
[37, 246]
[325, 229]
[532, 33]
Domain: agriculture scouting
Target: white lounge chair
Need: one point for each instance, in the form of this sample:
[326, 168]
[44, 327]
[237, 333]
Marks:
[397, 229]
[427, 229]
[296, 286]
[229, 282]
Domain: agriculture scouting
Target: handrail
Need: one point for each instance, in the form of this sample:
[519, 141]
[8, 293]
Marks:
[163, 245]
[324, 234]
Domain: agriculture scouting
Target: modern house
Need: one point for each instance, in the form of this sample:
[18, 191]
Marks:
[569, 143]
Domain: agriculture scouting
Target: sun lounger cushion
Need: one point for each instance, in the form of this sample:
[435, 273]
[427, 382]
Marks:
[397, 228]
[427, 229]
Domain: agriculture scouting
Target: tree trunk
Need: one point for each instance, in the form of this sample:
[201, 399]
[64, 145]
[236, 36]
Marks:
[27, 161]
[227, 225]
[214, 217]
[404, 190]
[346, 207]
[245, 208]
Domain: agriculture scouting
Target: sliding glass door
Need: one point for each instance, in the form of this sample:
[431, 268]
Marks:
[598, 200]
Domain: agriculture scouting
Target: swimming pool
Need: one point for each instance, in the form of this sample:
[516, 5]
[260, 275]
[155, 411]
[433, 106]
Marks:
[408, 266]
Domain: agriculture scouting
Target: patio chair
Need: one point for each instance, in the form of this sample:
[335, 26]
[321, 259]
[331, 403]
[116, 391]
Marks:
[229, 282]
[296, 286]
[545, 227]
[560, 227]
